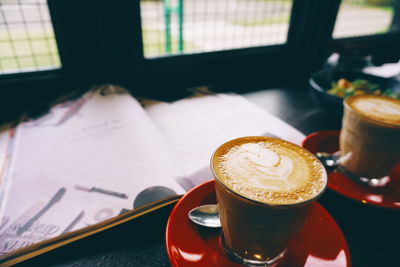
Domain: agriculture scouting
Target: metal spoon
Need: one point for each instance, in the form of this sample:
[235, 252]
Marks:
[332, 161]
[328, 160]
[205, 215]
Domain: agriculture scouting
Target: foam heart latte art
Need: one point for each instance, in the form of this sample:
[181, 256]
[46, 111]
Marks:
[269, 170]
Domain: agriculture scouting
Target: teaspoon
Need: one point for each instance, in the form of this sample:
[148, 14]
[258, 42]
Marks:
[332, 161]
[205, 215]
[327, 159]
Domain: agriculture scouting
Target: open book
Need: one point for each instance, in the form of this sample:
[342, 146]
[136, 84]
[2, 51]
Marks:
[106, 158]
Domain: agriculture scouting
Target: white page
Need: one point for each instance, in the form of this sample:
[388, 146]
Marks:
[51, 224]
[196, 126]
[7, 137]
[106, 142]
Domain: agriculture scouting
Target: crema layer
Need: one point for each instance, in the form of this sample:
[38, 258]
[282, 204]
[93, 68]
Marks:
[269, 170]
[377, 109]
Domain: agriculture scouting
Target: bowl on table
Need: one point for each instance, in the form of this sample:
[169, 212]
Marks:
[321, 82]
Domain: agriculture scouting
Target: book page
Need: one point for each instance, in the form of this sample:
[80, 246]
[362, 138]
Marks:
[7, 138]
[86, 161]
[196, 126]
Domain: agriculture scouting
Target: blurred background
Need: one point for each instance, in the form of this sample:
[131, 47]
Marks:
[148, 44]
[171, 27]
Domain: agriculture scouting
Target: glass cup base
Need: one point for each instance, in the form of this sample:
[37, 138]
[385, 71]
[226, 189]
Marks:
[372, 182]
[252, 263]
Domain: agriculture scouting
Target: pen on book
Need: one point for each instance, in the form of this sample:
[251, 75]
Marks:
[101, 190]
[74, 222]
[56, 198]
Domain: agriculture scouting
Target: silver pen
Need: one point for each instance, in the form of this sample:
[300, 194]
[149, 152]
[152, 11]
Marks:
[101, 190]
[56, 198]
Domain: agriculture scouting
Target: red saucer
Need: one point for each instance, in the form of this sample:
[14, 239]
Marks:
[387, 196]
[320, 243]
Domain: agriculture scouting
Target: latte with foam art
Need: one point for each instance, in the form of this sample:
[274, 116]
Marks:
[269, 170]
[265, 187]
[370, 134]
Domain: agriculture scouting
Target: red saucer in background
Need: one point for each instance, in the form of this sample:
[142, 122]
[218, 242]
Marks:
[320, 243]
[387, 196]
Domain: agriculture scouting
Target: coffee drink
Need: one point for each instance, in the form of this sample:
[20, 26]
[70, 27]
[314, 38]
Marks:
[369, 139]
[269, 170]
[264, 188]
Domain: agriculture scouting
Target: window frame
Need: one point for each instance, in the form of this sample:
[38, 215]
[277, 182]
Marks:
[239, 68]
[100, 42]
[79, 68]
[383, 46]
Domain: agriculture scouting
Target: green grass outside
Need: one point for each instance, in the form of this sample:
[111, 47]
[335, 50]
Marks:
[33, 53]
[154, 44]
[278, 1]
[388, 9]
[384, 30]
[285, 19]
[265, 21]
[21, 52]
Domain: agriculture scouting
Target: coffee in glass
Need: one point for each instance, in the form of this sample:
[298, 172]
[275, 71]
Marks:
[370, 136]
[264, 189]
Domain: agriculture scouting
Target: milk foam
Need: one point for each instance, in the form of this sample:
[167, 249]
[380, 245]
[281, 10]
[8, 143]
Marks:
[256, 165]
[270, 170]
[382, 110]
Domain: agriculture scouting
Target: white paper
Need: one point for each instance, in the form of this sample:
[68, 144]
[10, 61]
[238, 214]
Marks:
[386, 70]
[96, 142]
[7, 138]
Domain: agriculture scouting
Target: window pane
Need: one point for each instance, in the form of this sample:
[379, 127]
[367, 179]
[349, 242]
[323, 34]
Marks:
[27, 40]
[364, 17]
[195, 26]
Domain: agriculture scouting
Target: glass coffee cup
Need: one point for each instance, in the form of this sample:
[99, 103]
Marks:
[264, 187]
[370, 138]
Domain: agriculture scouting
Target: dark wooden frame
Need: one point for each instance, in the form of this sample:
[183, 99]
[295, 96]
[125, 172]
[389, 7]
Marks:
[101, 42]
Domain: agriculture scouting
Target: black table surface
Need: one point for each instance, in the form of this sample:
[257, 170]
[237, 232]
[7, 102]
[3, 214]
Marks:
[373, 234]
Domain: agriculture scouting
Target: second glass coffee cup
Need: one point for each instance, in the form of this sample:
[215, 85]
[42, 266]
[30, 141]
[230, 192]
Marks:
[370, 137]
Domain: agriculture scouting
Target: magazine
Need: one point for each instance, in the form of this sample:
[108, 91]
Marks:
[106, 157]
